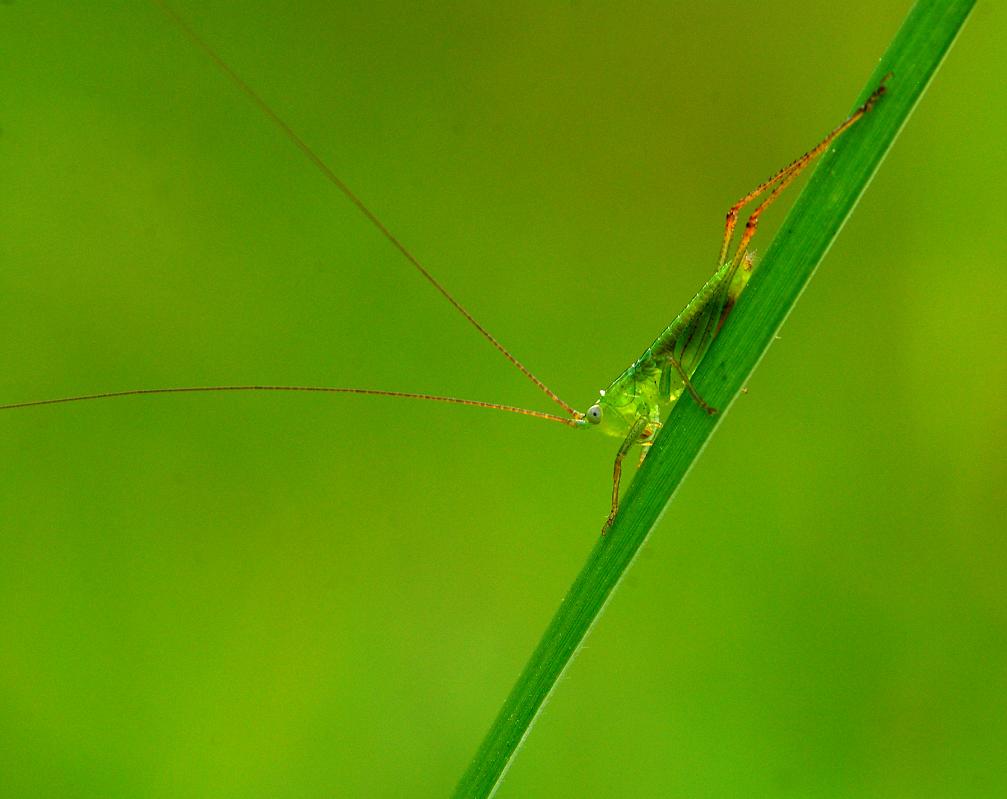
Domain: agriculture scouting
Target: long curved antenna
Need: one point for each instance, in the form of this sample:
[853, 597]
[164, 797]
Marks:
[335, 181]
[313, 389]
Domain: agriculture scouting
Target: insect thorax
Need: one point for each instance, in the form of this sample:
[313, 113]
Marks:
[633, 394]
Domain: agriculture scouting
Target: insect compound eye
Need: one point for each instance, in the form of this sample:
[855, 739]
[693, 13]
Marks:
[594, 414]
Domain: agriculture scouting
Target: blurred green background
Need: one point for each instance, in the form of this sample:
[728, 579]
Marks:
[295, 596]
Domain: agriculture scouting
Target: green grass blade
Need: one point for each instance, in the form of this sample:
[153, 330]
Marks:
[812, 225]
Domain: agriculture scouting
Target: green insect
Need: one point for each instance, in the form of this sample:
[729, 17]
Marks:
[633, 405]
[635, 402]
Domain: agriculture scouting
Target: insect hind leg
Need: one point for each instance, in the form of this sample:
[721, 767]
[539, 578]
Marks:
[732, 214]
[784, 178]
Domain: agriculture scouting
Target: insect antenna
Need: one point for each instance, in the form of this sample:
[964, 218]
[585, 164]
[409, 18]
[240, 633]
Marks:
[331, 176]
[309, 389]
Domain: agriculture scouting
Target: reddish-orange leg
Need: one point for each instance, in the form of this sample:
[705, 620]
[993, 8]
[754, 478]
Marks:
[784, 178]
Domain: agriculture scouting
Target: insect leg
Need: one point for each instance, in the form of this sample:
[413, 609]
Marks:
[732, 214]
[631, 438]
[648, 434]
[784, 177]
[690, 388]
[644, 449]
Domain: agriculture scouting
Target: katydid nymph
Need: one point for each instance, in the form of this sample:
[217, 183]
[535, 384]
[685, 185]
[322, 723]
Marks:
[633, 405]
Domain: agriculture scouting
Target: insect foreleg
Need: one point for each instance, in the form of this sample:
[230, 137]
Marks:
[631, 438]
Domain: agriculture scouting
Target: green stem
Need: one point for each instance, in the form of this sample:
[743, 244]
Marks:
[830, 196]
